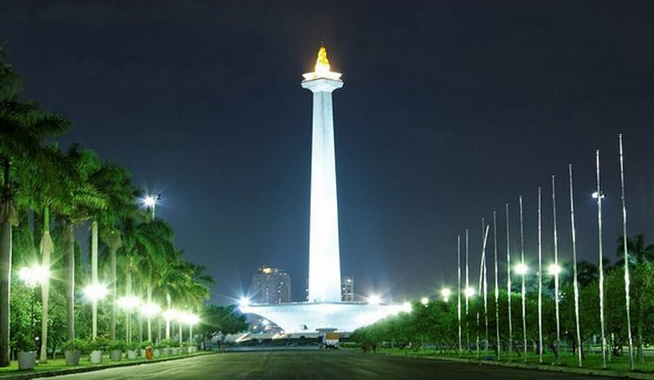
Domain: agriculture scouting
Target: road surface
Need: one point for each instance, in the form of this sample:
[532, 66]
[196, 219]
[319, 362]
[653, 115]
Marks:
[304, 364]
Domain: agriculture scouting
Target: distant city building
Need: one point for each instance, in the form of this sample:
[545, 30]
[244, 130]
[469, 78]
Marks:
[271, 286]
[347, 289]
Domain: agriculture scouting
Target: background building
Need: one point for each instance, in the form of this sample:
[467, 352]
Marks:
[347, 289]
[271, 286]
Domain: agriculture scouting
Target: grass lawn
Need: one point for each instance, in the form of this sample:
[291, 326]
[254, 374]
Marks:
[60, 364]
[591, 360]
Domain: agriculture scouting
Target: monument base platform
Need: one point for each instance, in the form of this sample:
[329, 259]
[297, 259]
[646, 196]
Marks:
[309, 316]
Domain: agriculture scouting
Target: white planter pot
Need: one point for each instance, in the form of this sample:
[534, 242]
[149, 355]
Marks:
[176, 350]
[72, 357]
[26, 360]
[116, 355]
[132, 354]
[192, 349]
[156, 353]
[96, 357]
[142, 353]
[185, 350]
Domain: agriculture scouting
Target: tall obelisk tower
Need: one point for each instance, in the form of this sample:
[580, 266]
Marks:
[324, 256]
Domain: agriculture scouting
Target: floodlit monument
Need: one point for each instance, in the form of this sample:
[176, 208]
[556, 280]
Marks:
[324, 310]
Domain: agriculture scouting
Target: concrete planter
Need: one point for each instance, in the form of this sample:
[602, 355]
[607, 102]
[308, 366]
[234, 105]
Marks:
[175, 350]
[185, 350]
[192, 349]
[96, 356]
[116, 355]
[142, 353]
[72, 357]
[156, 353]
[26, 360]
[132, 354]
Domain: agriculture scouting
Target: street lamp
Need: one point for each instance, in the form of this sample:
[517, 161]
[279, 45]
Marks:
[32, 277]
[469, 292]
[244, 302]
[521, 269]
[129, 304]
[554, 269]
[424, 301]
[374, 299]
[95, 292]
[149, 310]
[599, 195]
[446, 293]
[150, 202]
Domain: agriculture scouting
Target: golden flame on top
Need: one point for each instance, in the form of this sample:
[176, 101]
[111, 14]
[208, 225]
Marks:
[322, 63]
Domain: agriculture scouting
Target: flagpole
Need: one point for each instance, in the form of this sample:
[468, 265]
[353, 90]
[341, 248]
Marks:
[574, 267]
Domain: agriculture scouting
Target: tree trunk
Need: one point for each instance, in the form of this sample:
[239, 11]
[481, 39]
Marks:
[70, 280]
[46, 247]
[114, 287]
[5, 283]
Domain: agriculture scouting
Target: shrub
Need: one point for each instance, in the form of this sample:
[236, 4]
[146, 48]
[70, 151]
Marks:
[116, 345]
[23, 342]
[145, 344]
[74, 345]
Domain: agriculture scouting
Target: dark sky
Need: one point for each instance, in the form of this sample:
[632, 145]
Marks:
[450, 109]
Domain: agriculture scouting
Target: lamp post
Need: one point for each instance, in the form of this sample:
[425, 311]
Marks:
[574, 267]
[522, 271]
[446, 293]
[626, 257]
[497, 289]
[598, 195]
[468, 292]
[149, 310]
[150, 202]
[557, 270]
[94, 292]
[129, 304]
[508, 282]
[32, 277]
[458, 293]
[540, 281]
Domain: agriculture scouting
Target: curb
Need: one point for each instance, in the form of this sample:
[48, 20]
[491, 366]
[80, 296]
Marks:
[538, 367]
[72, 371]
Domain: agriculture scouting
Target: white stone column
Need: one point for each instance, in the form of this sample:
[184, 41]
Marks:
[324, 255]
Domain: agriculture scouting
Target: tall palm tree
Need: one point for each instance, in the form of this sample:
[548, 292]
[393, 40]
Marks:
[84, 200]
[23, 130]
[113, 182]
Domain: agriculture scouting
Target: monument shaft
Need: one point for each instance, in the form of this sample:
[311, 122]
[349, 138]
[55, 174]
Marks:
[324, 255]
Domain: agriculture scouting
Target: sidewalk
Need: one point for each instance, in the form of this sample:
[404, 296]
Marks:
[36, 373]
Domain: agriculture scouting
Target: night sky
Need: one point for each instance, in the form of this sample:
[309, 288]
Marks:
[450, 109]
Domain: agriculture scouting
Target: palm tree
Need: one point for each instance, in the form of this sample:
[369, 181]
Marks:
[23, 129]
[113, 182]
[84, 200]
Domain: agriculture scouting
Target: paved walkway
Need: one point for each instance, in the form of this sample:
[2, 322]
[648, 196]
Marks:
[303, 364]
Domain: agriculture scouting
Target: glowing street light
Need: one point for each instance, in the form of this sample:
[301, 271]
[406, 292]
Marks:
[554, 269]
[150, 202]
[374, 299]
[424, 301]
[469, 292]
[95, 292]
[170, 315]
[128, 303]
[521, 269]
[34, 275]
[406, 307]
[244, 302]
[150, 309]
[446, 293]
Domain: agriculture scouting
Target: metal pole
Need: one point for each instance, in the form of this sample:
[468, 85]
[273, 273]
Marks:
[497, 289]
[508, 283]
[485, 290]
[599, 196]
[626, 257]
[458, 300]
[574, 267]
[524, 291]
[466, 292]
[540, 281]
[556, 275]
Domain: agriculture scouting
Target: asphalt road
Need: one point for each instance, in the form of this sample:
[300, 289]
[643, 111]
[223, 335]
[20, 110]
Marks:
[303, 364]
